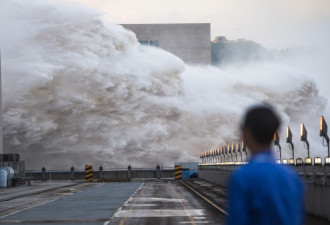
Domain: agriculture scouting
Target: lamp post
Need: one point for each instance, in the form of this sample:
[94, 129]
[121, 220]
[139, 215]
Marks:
[277, 143]
[233, 148]
[289, 141]
[324, 132]
[214, 155]
[223, 154]
[219, 156]
[220, 153]
[243, 146]
[226, 152]
[229, 152]
[238, 149]
[303, 137]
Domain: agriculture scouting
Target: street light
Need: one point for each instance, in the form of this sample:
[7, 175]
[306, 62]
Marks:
[225, 151]
[229, 152]
[217, 154]
[317, 161]
[277, 143]
[214, 155]
[238, 148]
[285, 161]
[327, 161]
[303, 137]
[221, 154]
[324, 132]
[299, 162]
[243, 146]
[234, 150]
[289, 141]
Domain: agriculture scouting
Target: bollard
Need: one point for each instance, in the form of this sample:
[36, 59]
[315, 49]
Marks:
[72, 173]
[178, 172]
[43, 174]
[88, 173]
[100, 172]
[158, 176]
[129, 172]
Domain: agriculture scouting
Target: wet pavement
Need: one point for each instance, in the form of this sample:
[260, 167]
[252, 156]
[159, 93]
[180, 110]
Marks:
[36, 187]
[86, 203]
[165, 202]
[148, 202]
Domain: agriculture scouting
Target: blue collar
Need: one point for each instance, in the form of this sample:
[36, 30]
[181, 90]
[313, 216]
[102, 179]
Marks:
[264, 156]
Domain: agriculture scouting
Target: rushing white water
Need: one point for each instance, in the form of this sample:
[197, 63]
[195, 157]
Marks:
[78, 91]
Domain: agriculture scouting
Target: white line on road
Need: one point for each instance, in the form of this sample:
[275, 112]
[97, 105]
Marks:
[160, 213]
[128, 200]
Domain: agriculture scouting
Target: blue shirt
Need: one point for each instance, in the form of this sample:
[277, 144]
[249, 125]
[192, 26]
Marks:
[263, 192]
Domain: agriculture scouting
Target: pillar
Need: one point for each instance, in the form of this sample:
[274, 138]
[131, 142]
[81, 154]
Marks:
[43, 174]
[72, 173]
[101, 172]
[129, 172]
[158, 175]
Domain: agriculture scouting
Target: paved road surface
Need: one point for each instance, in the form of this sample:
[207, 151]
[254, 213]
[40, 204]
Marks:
[165, 202]
[151, 202]
[66, 206]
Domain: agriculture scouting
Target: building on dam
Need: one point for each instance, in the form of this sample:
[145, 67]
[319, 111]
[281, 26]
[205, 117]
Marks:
[189, 41]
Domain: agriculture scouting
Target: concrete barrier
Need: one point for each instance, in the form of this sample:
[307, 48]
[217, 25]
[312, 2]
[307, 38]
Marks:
[317, 179]
[72, 174]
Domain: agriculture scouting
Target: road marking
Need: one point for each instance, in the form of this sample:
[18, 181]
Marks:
[141, 205]
[45, 202]
[160, 213]
[183, 206]
[199, 217]
[195, 222]
[30, 207]
[128, 200]
[160, 199]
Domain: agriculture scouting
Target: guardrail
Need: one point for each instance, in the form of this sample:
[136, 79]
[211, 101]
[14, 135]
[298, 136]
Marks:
[100, 173]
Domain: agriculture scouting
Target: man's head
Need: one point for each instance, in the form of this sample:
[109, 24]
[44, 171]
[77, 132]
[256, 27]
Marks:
[258, 127]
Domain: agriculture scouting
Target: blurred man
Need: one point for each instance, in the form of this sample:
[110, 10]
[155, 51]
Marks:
[263, 192]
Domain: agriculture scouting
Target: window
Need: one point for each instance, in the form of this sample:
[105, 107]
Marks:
[154, 43]
[143, 42]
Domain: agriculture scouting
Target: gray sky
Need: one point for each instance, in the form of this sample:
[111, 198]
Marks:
[273, 23]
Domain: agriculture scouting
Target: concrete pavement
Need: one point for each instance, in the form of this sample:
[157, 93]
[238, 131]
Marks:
[165, 202]
[149, 202]
[67, 206]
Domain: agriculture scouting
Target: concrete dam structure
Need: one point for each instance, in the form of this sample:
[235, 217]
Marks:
[188, 41]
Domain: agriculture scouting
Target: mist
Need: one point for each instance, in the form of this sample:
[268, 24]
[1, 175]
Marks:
[77, 90]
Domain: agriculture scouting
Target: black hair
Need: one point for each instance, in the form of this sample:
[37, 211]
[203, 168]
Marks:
[262, 121]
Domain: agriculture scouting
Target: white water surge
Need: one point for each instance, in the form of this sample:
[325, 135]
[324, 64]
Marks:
[78, 91]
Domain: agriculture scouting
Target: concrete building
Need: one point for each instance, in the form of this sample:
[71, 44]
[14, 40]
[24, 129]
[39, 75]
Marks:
[191, 41]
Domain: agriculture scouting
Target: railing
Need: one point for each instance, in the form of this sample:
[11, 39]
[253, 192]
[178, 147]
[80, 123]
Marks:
[236, 153]
[101, 173]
